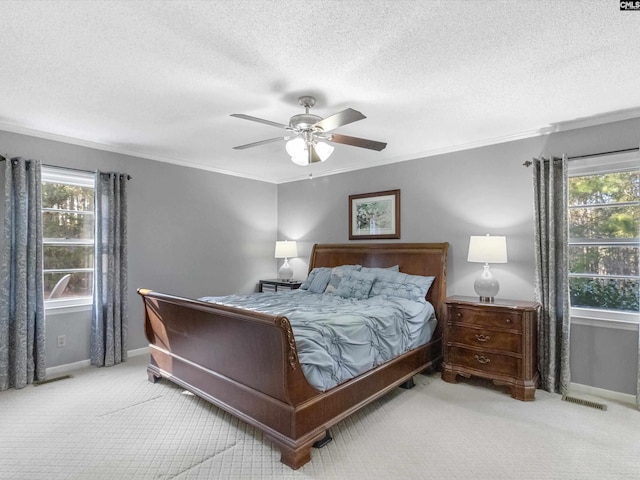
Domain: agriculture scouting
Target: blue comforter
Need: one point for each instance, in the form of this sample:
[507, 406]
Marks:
[340, 338]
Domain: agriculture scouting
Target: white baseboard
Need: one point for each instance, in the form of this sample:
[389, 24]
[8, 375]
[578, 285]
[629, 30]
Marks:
[67, 367]
[138, 351]
[602, 393]
[70, 367]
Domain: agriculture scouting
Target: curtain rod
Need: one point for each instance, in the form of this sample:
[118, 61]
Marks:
[129, 177]
[528, 163]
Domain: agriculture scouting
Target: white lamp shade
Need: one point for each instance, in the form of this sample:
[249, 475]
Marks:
[301, 159]
[487, 249]
[324, 150]
[298, 150]
[286, 249]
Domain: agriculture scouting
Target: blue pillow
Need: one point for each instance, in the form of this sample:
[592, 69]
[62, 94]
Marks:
[398, 284]
[317, 280]
[336, 276]
[356, 285]
[394, 268]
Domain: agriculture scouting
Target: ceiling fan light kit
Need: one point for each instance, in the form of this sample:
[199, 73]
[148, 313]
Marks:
[309, 141]
[303, 152]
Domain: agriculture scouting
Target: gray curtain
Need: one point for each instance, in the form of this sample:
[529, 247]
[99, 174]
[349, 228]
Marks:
[550, 181]
[22, 325]
[109, 322]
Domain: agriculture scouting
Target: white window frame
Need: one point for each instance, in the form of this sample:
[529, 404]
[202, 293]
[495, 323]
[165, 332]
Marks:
[595, 165]
[81, 179]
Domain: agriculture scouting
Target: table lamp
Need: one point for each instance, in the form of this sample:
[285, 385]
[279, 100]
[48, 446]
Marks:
[286, 250]
[487, 249]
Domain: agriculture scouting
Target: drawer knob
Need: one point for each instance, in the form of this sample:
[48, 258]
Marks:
[459, 314]
[483, 338]
[508, 320]
[481, 359]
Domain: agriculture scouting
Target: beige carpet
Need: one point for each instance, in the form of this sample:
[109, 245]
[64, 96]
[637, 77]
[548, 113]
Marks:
[111, 423]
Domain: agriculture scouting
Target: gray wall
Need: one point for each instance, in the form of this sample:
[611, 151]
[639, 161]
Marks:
[190, 233]
[443, 198]
[450, 197]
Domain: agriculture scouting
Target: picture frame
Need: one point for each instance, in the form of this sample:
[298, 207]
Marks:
[374, 215]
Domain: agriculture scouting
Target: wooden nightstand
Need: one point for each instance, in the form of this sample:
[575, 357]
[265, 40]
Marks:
[496, 340]
[274, 284]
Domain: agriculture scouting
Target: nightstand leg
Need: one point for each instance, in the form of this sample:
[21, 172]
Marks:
[524, 392]
[449, 375]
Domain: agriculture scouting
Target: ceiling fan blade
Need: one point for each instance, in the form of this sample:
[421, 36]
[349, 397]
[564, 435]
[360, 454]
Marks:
[339, 119]
[357, 142]
[261, 142]
[259, 120]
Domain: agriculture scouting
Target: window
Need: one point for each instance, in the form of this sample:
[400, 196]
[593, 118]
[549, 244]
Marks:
[68, 233]
[604, 231]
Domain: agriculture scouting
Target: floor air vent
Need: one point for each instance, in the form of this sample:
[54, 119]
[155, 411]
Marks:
[586, 403]
[51, 380]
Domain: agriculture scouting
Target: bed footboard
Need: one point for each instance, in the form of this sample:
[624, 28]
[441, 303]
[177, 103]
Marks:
[247, 364]
[241, 361]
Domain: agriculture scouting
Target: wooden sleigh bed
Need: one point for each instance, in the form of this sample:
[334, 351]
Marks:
[246, 362]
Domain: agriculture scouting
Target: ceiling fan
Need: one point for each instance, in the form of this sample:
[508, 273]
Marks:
[309, 133]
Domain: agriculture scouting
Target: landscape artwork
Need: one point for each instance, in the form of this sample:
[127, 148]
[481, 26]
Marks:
[374, 215]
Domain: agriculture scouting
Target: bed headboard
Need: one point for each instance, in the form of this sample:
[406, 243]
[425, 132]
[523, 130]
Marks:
[428, 259]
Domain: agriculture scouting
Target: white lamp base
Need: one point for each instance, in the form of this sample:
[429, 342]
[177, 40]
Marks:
[486, 286]
[285, 272]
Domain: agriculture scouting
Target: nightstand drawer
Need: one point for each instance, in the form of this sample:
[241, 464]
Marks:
[490, 339]
[485, 318]
[485, 362]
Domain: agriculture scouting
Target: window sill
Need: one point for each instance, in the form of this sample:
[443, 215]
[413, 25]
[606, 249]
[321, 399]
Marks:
[62, 307]
[605, 318]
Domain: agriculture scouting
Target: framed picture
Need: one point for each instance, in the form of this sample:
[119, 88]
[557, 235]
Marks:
[374, 215]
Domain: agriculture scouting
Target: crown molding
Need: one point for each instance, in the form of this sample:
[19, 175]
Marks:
[595, 120]
[119, 150]
[601, 119]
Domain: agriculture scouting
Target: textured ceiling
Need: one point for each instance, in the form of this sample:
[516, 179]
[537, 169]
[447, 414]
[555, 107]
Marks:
[159, 79]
